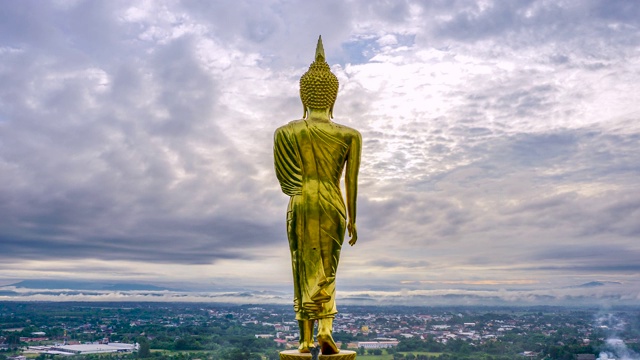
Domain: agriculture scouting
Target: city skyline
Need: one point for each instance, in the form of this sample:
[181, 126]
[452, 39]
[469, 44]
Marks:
[501, 145]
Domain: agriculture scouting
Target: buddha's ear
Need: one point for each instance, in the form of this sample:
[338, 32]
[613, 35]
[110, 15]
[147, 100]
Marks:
[331, 112]
[304, 111]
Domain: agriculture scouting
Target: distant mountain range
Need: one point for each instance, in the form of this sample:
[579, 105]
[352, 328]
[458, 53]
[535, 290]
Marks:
[87, 285]
[598, 283]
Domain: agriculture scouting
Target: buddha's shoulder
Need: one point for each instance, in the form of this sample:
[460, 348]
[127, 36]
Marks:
[347, 130]
[290, 125]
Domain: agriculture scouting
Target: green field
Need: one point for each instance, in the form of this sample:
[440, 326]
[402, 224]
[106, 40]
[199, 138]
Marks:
[390, 357]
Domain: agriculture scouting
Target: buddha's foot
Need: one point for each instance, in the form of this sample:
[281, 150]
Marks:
[327, 345]
[305, 347]
[325, 340]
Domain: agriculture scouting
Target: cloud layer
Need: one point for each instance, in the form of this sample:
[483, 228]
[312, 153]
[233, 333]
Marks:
[501, 140]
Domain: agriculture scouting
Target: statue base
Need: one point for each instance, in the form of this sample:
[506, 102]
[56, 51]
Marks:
[296, 355]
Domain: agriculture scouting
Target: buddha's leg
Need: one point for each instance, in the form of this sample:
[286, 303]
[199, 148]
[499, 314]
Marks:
[306, 335]
[327, 345]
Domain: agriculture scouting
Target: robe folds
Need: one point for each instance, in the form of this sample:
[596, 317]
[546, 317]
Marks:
[309, 160]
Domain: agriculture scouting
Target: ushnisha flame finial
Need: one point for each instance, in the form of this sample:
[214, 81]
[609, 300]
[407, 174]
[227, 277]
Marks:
[320, 51]
[319, 86]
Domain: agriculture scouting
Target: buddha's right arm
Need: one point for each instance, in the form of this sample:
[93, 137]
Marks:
[351, 183]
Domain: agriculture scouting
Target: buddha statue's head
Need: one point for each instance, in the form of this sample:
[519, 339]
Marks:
[318, 86]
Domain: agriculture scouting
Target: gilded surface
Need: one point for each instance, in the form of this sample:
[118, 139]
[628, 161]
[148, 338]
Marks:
[294, 355]
[310, 156]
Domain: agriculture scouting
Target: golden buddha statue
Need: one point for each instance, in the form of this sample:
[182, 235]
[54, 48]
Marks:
[310, 156]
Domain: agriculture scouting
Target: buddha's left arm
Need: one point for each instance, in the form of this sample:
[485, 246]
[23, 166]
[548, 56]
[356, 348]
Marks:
[351, 184]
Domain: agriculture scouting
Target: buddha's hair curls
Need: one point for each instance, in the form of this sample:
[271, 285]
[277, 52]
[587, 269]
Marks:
[318, 86]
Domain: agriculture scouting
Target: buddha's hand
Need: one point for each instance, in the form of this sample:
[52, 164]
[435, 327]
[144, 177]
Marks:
[353, 232]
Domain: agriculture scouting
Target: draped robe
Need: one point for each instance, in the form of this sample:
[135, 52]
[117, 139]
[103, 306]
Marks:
[309, 160]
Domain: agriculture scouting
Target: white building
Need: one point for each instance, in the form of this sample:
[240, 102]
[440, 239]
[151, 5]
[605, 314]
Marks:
[85, 348]
[377, 344]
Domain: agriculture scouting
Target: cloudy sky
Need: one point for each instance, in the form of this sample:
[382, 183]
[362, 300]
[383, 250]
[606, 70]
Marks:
[501, 155]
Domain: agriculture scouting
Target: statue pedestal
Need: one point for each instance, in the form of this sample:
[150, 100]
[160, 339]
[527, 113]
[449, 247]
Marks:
[296, 355]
